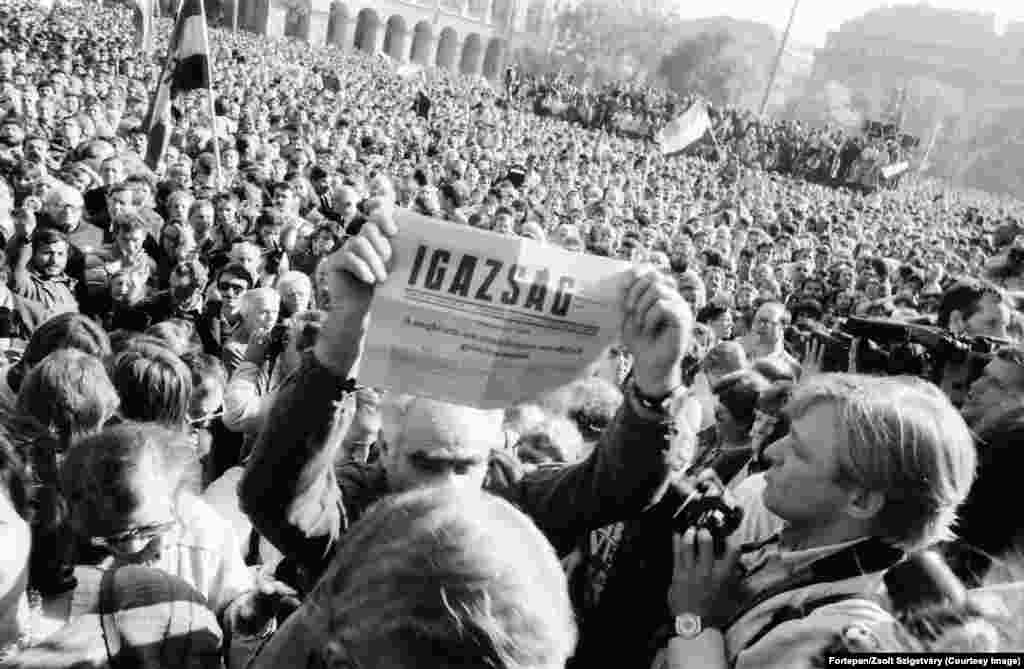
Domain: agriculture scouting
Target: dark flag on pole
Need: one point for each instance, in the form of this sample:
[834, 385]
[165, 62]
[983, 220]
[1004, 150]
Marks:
[187, 68]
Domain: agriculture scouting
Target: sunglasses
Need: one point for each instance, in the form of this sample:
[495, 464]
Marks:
[231, 288]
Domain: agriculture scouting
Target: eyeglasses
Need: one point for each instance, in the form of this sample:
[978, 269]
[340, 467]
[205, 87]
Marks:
[236, 288]
[136, 535]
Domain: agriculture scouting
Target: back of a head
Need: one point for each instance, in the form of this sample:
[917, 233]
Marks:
[98, 473]
[66, 330]
[154, 385]
[462, 578]
[69, 392]
[593, 405]
[902, 437]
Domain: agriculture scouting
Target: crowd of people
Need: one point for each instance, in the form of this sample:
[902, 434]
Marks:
[828, 156]
[192, 475]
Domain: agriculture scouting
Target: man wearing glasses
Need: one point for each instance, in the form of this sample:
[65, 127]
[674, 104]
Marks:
[222, 317]
[767, 335]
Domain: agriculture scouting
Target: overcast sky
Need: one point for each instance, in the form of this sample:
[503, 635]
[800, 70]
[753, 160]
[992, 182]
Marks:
[814, 18]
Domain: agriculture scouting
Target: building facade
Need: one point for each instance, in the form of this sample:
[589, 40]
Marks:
[473, 37]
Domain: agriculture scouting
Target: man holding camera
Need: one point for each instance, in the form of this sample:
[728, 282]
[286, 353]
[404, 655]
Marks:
[971, 308]
[871, 467]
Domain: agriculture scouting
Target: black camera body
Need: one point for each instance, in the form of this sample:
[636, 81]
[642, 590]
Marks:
[896, 347]
[706, 509]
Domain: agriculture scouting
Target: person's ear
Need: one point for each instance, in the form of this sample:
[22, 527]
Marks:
[865, 504]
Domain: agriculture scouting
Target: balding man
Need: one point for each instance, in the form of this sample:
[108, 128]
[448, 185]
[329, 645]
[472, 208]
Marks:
[343, 209]
[297, 499]
[767, 335]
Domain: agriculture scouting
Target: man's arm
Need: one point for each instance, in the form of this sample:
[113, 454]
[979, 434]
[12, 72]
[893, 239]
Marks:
[289, 490]
[293, 459]
[21, 281]
[630, 468]
[627, 472]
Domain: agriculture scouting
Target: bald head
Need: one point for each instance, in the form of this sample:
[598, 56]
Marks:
[344, 200]
[435, 443]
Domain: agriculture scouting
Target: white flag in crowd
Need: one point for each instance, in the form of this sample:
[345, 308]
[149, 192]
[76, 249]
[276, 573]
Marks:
[685, 129]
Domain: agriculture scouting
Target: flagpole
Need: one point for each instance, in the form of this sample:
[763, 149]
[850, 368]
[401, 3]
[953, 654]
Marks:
[209, 95]
[778, 58]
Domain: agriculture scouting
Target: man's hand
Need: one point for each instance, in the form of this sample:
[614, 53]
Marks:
[657, 329]
[259, 343]
[701, 581]
[351, 274]
[252, 611]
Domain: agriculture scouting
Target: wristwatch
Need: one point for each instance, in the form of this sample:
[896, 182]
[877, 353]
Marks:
[688, 625]
[684, 626]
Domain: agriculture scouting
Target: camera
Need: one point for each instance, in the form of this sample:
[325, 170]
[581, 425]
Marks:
[707, 509]
[277, 341]
[897, 347]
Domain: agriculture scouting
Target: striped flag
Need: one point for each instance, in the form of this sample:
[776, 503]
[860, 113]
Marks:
[187, 68]
[685, 130]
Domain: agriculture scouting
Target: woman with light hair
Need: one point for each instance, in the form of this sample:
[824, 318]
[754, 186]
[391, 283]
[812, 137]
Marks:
[455, 578]
[296, 290]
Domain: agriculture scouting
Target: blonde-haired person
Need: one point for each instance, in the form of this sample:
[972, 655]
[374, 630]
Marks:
[259, 308]
[872, 467]
[458, 576]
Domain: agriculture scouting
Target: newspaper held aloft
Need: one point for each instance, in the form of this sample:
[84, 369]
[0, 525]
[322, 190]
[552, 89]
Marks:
[476, 318]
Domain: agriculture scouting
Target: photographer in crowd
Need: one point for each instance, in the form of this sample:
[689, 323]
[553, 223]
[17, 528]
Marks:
[871, 467]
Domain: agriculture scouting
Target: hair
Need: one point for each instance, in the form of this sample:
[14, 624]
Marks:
[175, 334]
[70, 393]
[965, 296]
[128, 222]
[46, 236]
[154, 385]
[462, 577]
[592, 405]
[294, 277]
[556, 439]
[902, 437]
[66, 330]
[739, 392]
[710, 312]
[250, 296]
[238, 271]
[97, 472]
[724, 358]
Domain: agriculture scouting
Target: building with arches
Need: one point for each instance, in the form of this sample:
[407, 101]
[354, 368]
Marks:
[473, 37]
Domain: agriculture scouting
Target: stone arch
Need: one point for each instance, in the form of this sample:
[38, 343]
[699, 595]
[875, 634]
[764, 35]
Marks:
[422, 43]
[367, 30]
[447, 48]
[296, 20]
[472, 53]
[396, 38]
[494, 59]
[337, 22]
